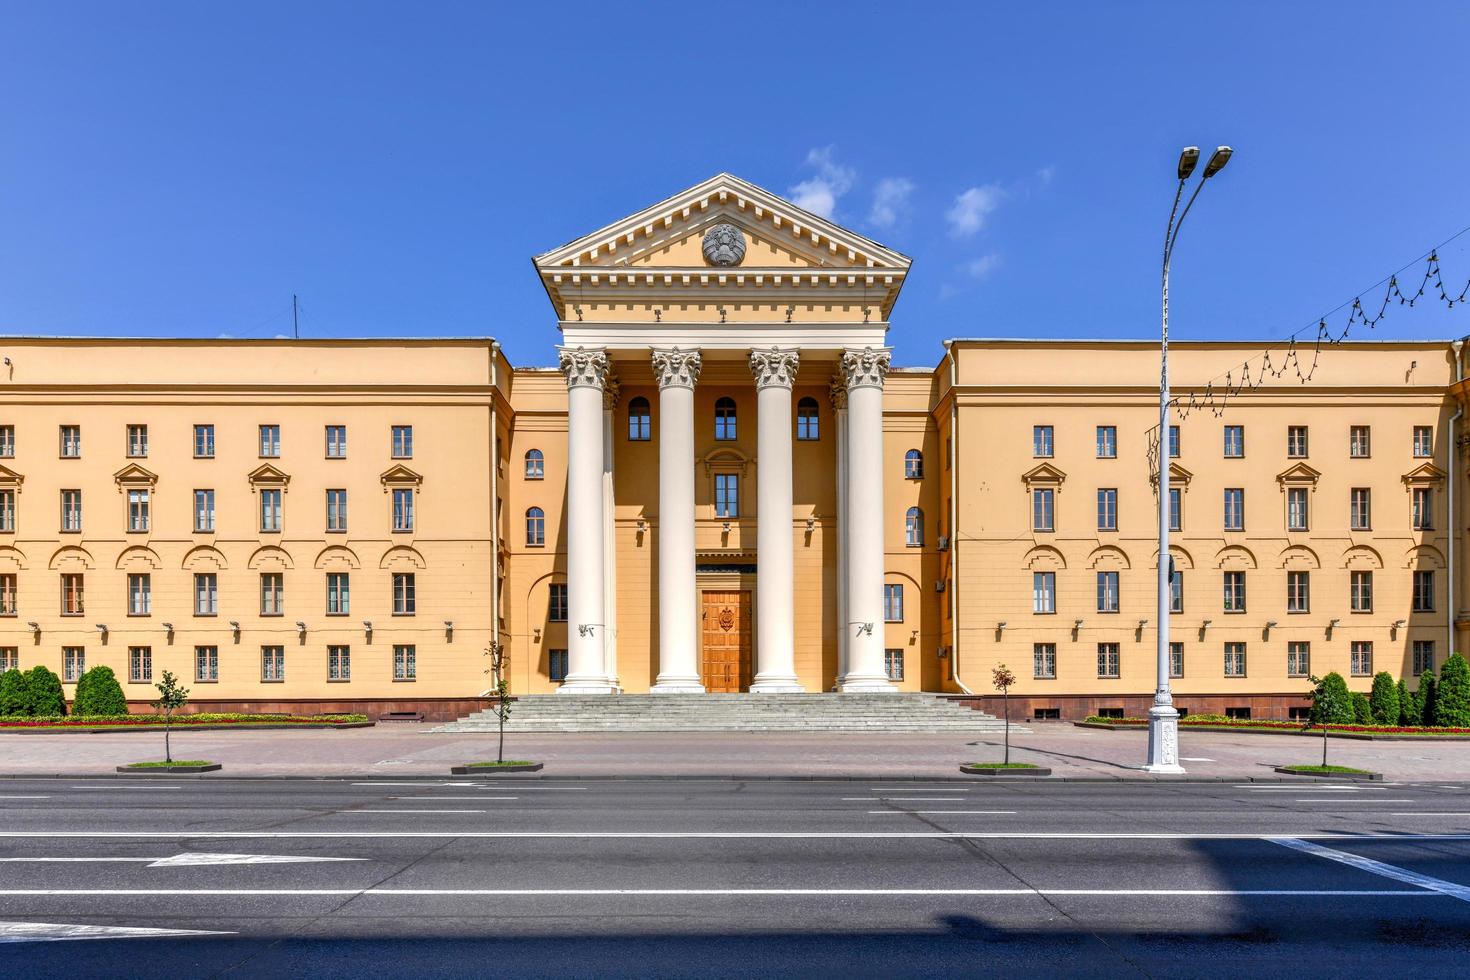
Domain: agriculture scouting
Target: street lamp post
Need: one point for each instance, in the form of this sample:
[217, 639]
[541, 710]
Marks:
[1163, 720]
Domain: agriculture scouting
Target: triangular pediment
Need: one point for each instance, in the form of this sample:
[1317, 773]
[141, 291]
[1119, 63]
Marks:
[9, 479]
[400, 476]
[268, 476]
[1045, 475]
[134, 475]
[1425, 474]
[1178, 476]
[1299, 475]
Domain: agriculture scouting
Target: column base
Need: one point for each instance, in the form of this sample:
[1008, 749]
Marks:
[776, 685]
[1163, 739]
[677, 685]
[586, 685]
[866, 685]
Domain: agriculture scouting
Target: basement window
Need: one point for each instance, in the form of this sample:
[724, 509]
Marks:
[1046, 714]
[1110, 712]
[1241, 714]
[1299, 713]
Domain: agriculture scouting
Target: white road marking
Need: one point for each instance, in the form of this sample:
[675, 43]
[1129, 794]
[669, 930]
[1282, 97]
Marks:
[419, 783]
[1194, 758]
[1330, 799]
[915, 789]
[1421, 813]
[50, 932]
[451, 798]
[685, 892]
[145, 788]
[896, 813]
[901, 799]
[683, 835]
[25, 797]
[421, 810]
[1450, 888]
[183, 860]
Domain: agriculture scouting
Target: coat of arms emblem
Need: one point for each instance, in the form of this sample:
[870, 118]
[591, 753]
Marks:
[724, 245]
[727, 619]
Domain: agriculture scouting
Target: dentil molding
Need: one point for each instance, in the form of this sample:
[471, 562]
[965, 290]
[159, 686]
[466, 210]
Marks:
[675, 368]
[774, 367]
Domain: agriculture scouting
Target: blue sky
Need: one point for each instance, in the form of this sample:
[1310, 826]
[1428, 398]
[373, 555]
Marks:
[183, 168]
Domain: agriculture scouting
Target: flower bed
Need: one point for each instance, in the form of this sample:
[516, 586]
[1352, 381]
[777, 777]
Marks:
[179, 721]
[1194, 721]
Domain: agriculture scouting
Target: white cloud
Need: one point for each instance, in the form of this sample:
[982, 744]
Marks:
[1045, 174]
[819, 194]
[890, 201]
[983, 266]
[971, 208]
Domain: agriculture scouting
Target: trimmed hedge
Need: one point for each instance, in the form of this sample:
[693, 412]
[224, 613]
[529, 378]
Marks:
[15, 693]
[1362, 709]
[1203, 721]
[1424, 697]
[1452, 697]
[1406, 705]
[1384, 701]
[43, 689]
[99, 693]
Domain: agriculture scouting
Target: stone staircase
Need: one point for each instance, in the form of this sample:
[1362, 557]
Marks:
[876, 713]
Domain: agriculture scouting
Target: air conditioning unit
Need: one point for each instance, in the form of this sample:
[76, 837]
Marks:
[943, 543]
[939, 585]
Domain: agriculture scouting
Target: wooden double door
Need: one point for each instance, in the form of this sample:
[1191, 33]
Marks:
[725, 659]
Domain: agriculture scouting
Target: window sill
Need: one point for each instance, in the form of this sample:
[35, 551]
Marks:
[338, 615]
[143, 615]
[403, 615]
[339, 680]
[402, 530]
[140, 680]
[336, 530]
[199, 680]
[206, 615]
[404, 680]
[273, 680]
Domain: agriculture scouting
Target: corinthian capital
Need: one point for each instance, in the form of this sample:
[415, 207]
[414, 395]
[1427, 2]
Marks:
[610, 390]
[775, 367]
[675, 368]
[865, 368]
[583, 368]
[837, 391]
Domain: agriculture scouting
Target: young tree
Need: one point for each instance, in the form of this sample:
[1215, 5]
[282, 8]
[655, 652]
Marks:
[99, 693]
[502, 695]
[15, 699]
[171, 697]
[1329, 700]
[1452, 696]
[1384, 701]
[44, 689]
[1002, 679]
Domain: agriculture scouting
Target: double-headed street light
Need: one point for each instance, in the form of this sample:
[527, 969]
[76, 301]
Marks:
[1163, 720]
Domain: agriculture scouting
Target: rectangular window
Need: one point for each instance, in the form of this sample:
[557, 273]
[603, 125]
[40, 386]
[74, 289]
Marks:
[1044, 592]
[1298, 592]
[727, 495]
[1107, 509]
[402, 510]
[893, 663]
[71, 511]
[206, 665]
[556, 664]
[8, 604]
[1423, 591]
[892, 603]
[1107, 592]
[1298, 659]
[1176, 509]
[1359, 442]
[336, 442]
[1176, 591]
[7, 511]
[206, 594]
[1173, 442]
[1235, 592]
[556, 603]
[1234, 509]
[1041, 441]
[1296, 508]
[1176, 660]
[270, 441]
[1423, 509]
[338, 594]
[1362, 592]
[7, 442]
[1108, 665]
[71, 441]
[270, 510]
[1234, 441]
[1361, 658]
[405, 599]
[1360, 516]
[140, 594]
[1235, 660]
[138, 516]
[272, 593]
[1107, 441]
[203, 511]
[9, 659]
[336, 510]
[339, 663]
[71, 594]
[1296, 442]
[1044, 661]
[273, 664]
[1423, 656]
[140, 665]
[1042, 516]
[137, 441]
[73, 663]
[403, 442]
[1423, 441]
[405, 662]
[203, 442]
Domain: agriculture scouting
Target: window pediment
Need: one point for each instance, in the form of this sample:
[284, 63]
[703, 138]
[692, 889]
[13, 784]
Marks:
[266, 475]
[1300, 475]
[1424, 475]
[1045, 475]
[9, 479]
[725, 460]
[400, 477]
[134, 476]
[1178, 477]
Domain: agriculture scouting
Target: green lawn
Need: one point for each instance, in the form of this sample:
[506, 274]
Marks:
[176, 762]
[496, 765]
[1326, 769]
[1004, 765]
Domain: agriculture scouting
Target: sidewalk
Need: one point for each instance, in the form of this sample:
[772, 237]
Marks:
[395, 749]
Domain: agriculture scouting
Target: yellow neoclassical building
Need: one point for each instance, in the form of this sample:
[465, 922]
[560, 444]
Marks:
[723, 485]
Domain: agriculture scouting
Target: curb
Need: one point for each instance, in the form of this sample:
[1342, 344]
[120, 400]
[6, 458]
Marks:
[155, 729]
[605, 777]
[169, 770]
[468, 770]
[998, 771]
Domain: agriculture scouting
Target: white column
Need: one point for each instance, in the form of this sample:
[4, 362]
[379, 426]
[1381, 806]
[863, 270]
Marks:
[678, 640]
[586, 372]
[609, 531]
[839, 427]
[864, 371]
[775, 643]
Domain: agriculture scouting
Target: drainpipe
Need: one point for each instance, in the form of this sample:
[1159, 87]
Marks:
[1452, 599]
[954, 510]
[494, 499]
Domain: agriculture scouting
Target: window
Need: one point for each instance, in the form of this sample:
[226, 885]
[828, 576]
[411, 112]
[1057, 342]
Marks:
[1176, 509]
[1176, 659]
[71, 441]
[137, 441]
[270, 510]
[1176, 591]
[270, 441]
[640, 420]
[339, 594]
[1042, 517]
[72, 603]
[556, 663]
[137, 510]
[1298, 592]
[1107, 660]
[1298, 659]
[403, 442]
[272, 594]
[1235, 660]
[725, 418]
[1360, 515]
[1107, 509]
[1301, 713]
[206, 665]
[1423, 441]
[535, 528]
[913, 465]
[336, 442]
[403, 510]
[140, 594]
[1173, 442]
[203, 510]
[203, 442]
[1234, 509]
[7, 511]
[73, 663]
[1107, 592]
[1044, 661]
[1362, 592]
[1296, 508]
[339, 663]
[1296, 441]
[913, 528]
[1361, 658]
[405, 598]
[727, 495]
[405, 665]
[140, 665]
[1107, 441]
[7, 441]
[1110, 712]
[336, 510]
[1423, 509]
[1358, 442]
[556, 603]
[71, 510]
[1241, 713]
[1234, 441]
[1041, 441]
[1235, 592]
[892, 603]
[206, 594]
[1044, 592]
[1423, 591]
[808, 425]
[893, 663]
[8, 605]
[535, 464]
[273, 664]
[1423, 656]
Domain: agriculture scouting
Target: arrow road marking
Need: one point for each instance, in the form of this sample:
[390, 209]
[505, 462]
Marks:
[50, 932]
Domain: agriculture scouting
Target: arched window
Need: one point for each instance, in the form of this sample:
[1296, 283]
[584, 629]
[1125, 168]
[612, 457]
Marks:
[640, 428]
[535, 465]
[807, 427]
[535, 528]
[725, 418]
[913, 465]
[913, 528]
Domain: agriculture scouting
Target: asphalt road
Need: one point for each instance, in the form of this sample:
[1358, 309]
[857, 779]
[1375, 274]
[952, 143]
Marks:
[729, 878]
